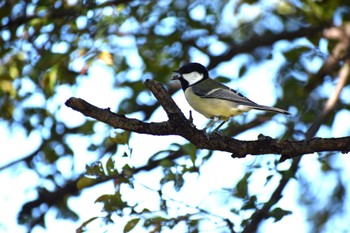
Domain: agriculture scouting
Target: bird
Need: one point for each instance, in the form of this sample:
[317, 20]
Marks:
[213, 99]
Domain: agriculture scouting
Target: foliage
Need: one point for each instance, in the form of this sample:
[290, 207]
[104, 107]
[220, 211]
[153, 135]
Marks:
[48, 49]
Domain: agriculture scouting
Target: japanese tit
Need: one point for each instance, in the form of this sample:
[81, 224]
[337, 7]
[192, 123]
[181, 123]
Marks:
[213, 99]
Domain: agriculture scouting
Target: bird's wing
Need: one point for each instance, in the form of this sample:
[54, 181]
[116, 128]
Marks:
[221, 91]
[231, 95]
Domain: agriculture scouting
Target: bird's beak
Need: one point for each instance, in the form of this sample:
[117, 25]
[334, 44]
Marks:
[176, 75]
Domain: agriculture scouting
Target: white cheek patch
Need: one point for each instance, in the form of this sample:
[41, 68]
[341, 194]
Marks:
[192, 77]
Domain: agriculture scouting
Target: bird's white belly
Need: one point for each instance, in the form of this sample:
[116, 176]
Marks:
[210, 107]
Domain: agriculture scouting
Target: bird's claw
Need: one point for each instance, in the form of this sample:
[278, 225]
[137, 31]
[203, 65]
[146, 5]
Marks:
[217, 132]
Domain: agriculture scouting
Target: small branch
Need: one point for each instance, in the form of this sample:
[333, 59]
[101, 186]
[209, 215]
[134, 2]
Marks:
[179, 125]
[265, 40]
[71, 188]
[344, 74]
[338, 53]
[263, 213]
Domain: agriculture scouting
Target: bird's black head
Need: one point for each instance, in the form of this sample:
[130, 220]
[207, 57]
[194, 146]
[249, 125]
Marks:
[190, 74]
[193, 67]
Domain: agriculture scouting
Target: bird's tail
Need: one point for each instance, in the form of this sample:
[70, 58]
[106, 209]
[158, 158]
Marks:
[271, 109]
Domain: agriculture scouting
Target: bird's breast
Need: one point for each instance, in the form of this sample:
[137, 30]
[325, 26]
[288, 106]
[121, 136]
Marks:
[211, 107]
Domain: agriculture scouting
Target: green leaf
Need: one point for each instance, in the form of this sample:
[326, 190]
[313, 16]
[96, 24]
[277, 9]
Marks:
[190, 150]
[287, 174]
[49, 81]
[242, 186]
[166, 163]
[250, 204]
[120, 138]
[112, 203]
[223, 79]
[85, 182]
[278, 213]
[83, 226]
[155, 221]
[127, 171]
[110, 167]
[242, 71]
[131, 224]
[294, 54]
[95, 170]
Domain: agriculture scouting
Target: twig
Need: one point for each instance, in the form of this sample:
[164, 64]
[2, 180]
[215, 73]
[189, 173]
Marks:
[332, 100]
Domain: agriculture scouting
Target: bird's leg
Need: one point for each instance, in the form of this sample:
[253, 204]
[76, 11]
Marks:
[219, 126]
[214, 120]
[209, 125]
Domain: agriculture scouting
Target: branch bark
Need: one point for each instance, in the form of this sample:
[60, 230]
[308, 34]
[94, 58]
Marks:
[177, 124]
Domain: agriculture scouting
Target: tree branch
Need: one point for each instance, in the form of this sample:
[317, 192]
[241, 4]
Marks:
[179, 125]
[265, 40]
[332, 100]
[263, 213]
[51, 198]
[60, 13]
[209, 142]
[338, 53]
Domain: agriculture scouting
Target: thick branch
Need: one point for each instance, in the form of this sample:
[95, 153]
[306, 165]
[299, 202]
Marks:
[179, 125]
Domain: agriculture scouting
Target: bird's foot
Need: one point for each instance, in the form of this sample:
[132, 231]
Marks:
[217, 132]
[213, 134]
